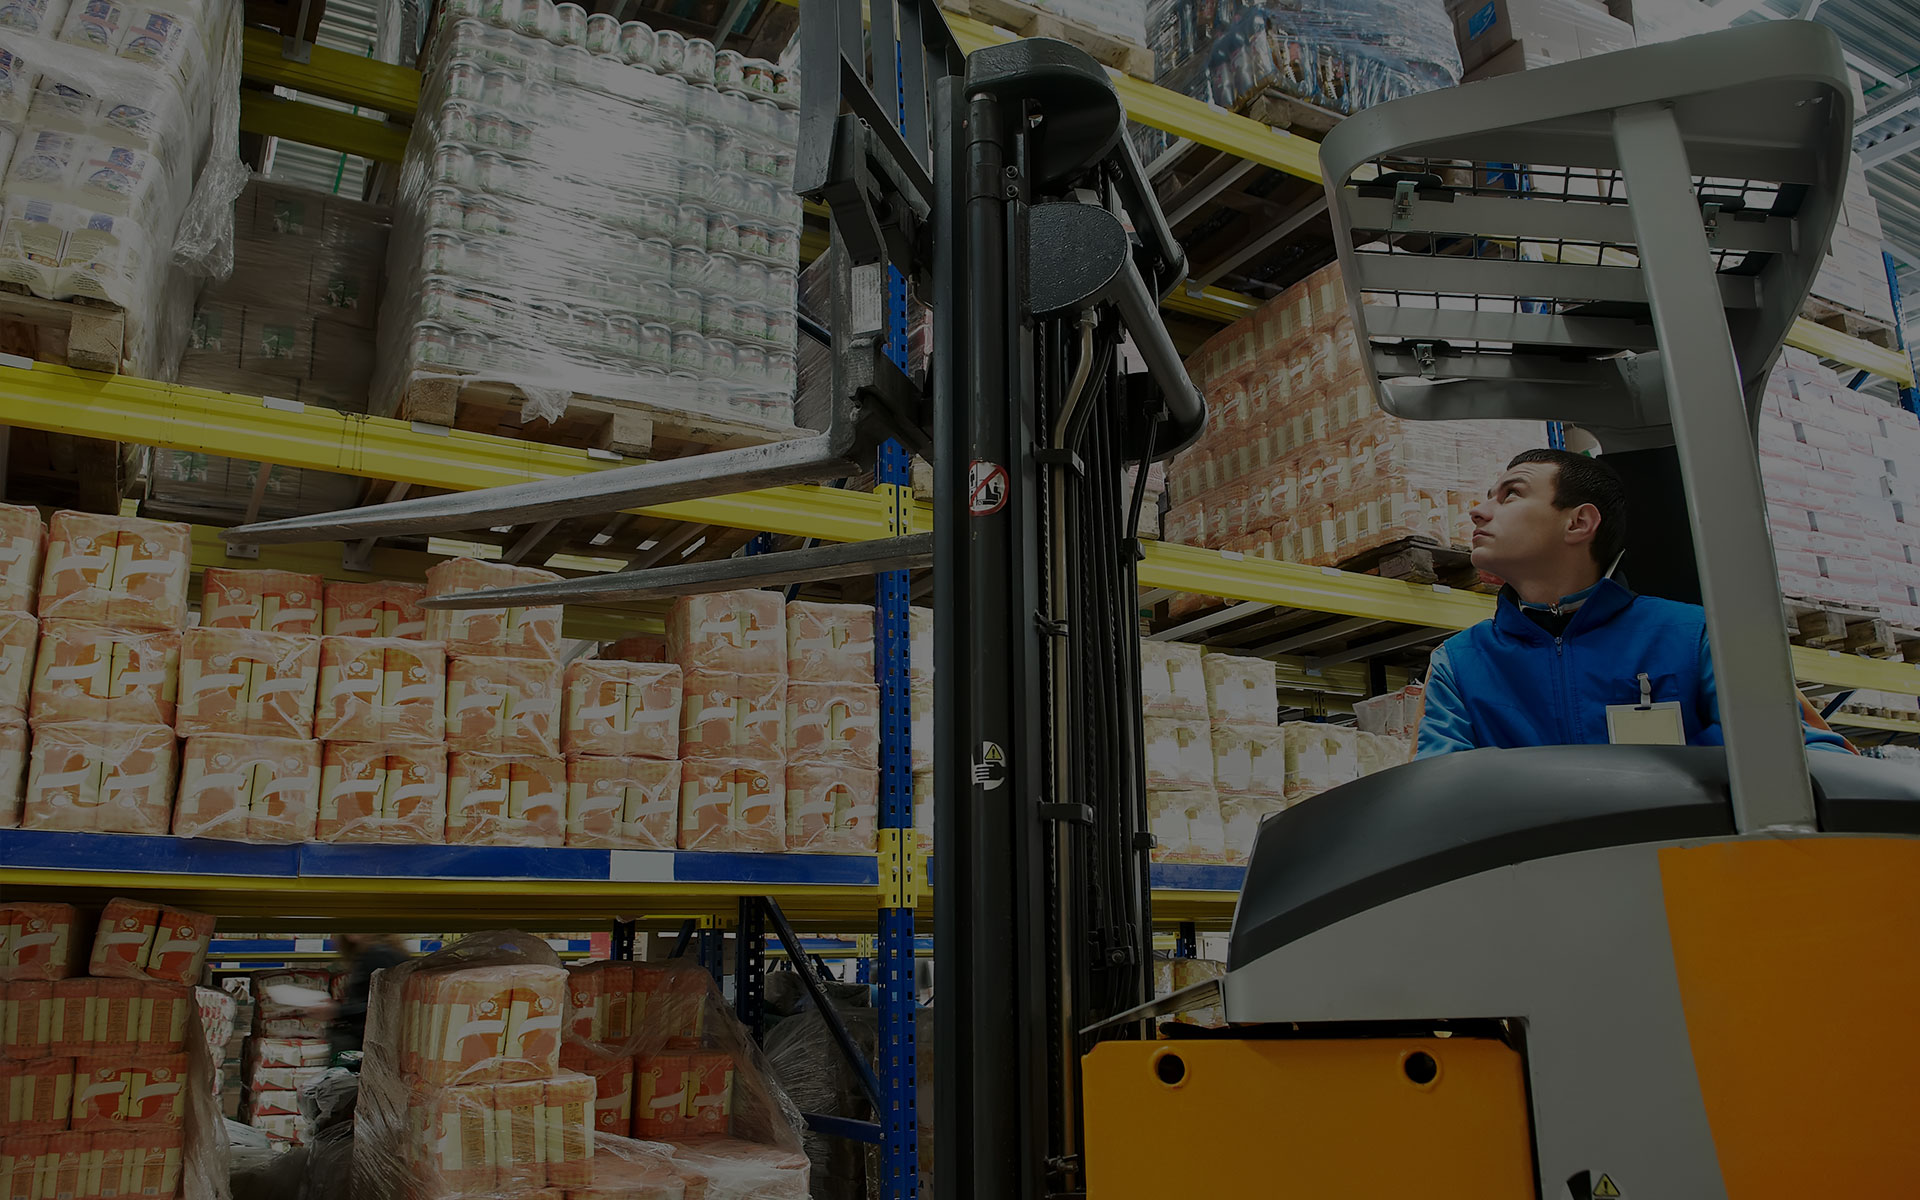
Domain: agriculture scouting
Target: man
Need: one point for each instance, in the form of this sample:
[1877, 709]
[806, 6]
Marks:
[1571, 656]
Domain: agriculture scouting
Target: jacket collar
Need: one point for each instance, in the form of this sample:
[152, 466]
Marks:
[1602, 602]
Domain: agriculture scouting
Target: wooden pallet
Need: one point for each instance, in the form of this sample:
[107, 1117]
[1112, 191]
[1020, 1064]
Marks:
[1854, 324]
[1824, 625]
[1271, 106]
[89, 335]
[1122, 54]
[74, 472]
[1418, 560]
[631, 426]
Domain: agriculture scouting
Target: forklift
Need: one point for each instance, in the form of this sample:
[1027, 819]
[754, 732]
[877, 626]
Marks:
[1585, 972]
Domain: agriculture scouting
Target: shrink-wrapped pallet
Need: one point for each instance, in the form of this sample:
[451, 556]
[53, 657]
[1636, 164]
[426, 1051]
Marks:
[832, 807]
[1187, 826]
[503, 705]
[623, 803]
[19, 637]
[381, 690]
[242, 681]
[374, 610]
[833, 722]
[529, 631]
[121, 571]
[100, 673]
[619, 708]
[40, 941]
[830, 643]
[506, 800]
[729, 633]
[1240, 691]
[23, 543]
[1172, 683]
[375, 792]
[733, 716]
[248, 789]
[732, 804]
[1249, 760]
[1179, 754]
[269, 601]
[100, 779]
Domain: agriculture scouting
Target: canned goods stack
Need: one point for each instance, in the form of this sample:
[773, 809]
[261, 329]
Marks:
[597, 208]
[107, 112]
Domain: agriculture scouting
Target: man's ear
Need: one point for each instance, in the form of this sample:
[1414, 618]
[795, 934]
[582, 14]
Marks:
[1583, 524]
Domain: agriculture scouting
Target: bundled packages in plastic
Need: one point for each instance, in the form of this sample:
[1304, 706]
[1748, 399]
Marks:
[249, 789]
[732, 804]
[1376, 752]
[733, 716]
[269, 601]
[110, 1092]
[19, 636]
[833, 722]
[829, 643]
[39, 941]
[1187, 825]
[623, 803]
[1396, 714]
[100, 778]
[381, 689]
[23, 543]
[729, 633]
[375, 792]
[13, 770]
[1249, 760]
[242, 681]
[592, 225]
[36, 1096]
[1240, 818]
[374, 610]
[612, 1075]
[1179, 754]
[532, 631]
[622, 708]
[506, 800]
[496, 1024]
[1171, 681]
[503, 705]
[136, 939]
[1319, 757]
[832, 807]
[121, 571]
[88, 672]
[1240, 691]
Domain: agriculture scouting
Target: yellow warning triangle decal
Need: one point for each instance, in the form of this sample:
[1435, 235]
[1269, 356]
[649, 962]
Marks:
[1604, 1190]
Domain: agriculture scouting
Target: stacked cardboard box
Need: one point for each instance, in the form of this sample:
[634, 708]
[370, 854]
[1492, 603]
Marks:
[1500, 37]
[1854, 274]
[1297, 462]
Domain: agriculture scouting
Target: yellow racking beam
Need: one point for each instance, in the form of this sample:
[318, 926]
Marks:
[1852, 351]
[1320, 589]
[274, 116]
[1856, 671]
[348, 78]
[1846, 720]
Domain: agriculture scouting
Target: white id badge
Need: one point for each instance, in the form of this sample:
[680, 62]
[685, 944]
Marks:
[1654, 725]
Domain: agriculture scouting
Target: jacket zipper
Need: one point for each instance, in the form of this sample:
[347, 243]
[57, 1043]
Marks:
[1560, 688]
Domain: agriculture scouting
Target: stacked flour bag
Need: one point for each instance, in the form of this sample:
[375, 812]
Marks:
[287, 1048]
[122, 122]
[833, 728]
[732, 649]
[620, 728]
[1183, 810]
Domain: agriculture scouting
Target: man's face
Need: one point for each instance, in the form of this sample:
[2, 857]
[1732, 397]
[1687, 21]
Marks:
[1517, 529]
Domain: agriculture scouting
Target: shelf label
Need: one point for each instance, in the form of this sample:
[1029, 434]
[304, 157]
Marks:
[281, 405]
[640, 866]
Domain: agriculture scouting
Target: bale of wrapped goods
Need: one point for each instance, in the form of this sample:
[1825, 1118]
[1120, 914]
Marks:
[671, 263]
[123, 165]
[1505, 36]
[623, 803]
[248, 789]
[734, 716]
[286, 602]
[13, 770]
[1179, 754]
[1172, 683]
[382, 792]
[622, 708]
[97, 673]
[1297, 462]
[138, 939]
[732, 804]
[242, 681]
[381, 689]
[504, 705]
[506, 799]
[40, 941]
[379, 610]
[729, 633]
[833, 722]
[23, 543]
[829, 643]
[124, 572]
[100, 778]
[1186, 824]
[832, 806]
[531, 631]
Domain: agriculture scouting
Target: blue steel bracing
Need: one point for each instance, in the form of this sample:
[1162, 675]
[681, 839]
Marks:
[1909, 396]
[898, 1115]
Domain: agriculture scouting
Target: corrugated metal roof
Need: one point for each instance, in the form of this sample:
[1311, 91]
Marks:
[349, 26]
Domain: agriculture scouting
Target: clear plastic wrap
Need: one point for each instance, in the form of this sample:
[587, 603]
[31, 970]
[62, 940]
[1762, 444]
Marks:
[832, 807]
[1179, 754]
[248, 789]
[1378, 751]
[385, 610]
[733, 804]
[1240, 818]
[270, 601]
[1249, 760]
[1171, 681]
[622, 708]
[732, 633]
[23, 543]
[639, 647]
[623, 803]
[13, 770]
[468, 1091]
[733, 716]
[88, 672]
[295, 319]
[100, 778]
[1396, 714]
[833, 723]
[122, 181]
[1240, 691]
[528, 632]
[43, 942]
[506, 800]
[829, 643]
[137, 939]
[923, 810]
[19, 635]
[382, 792]
[583, 215]
[242, 681]
[381, 689]
[818, 1078]
[1187, 826]
[122, 571]
[503, 705]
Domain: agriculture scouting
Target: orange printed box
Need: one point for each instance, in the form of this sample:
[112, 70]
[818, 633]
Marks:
[660, 1096]
[268, 601]
[709, 1094]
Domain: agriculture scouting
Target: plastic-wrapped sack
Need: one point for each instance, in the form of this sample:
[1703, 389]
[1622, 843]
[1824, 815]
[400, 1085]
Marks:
[242, 681]
[1187, 826]
[38, 941]
[832, 807]
[527, 632]
[381, 689]
[13, 770]
[382, 792]
[465, 1090]
[729, 633]
[382, 610]
[506, 800]
[122, 183]
[733, 804]
[1240, 691]
[733, 716]
[248, 789]
[1171, 681]
[1179, 754]
[97, 673]
[23, 543]
[833, 723]
[1249, 760]
[100, 779]
[623, 803]
[1240, 818]
[19, 636]
[829, 643]
[269, 601]
[622, 708]
[503, 705]
[139, 940]
[1396, 714]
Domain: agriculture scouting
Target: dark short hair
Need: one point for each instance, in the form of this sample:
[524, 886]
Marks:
[1584, 480]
